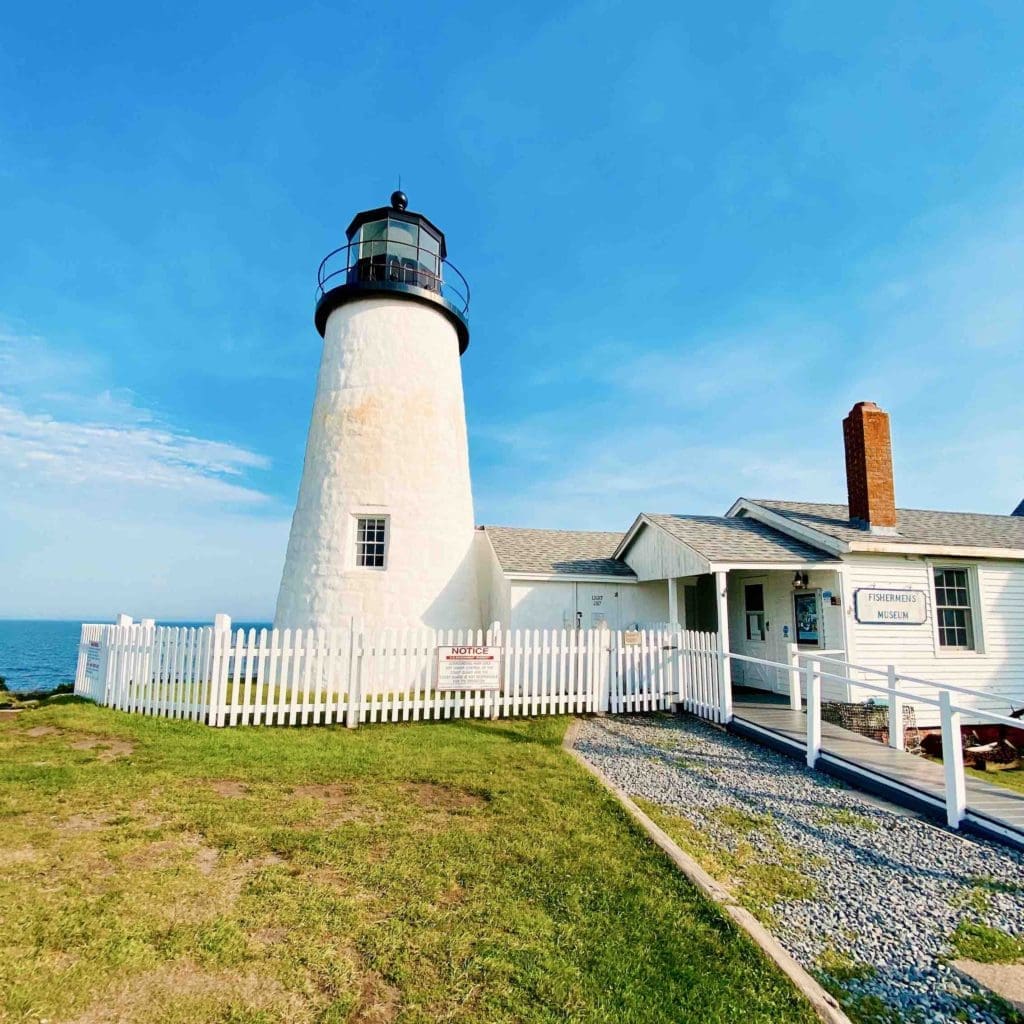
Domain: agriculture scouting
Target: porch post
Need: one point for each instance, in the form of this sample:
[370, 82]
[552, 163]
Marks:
[725, 673]
[673, 602]
[793, 660]
[952, 762]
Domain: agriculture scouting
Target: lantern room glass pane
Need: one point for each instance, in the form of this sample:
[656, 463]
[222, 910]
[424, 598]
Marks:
[430, 258]
[403, 239]
[372, 237]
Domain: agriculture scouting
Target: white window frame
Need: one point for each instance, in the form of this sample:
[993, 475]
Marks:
[762, 582]
[353, 545]
[974, 599]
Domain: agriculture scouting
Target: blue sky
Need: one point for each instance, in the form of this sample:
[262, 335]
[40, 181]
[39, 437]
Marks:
[696, 234]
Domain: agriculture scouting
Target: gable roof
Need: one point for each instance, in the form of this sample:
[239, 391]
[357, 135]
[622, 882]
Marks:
[913, 526]
[724, 539]
[557, 552]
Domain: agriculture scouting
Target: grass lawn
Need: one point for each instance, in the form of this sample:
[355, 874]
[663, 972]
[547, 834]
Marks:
[470, 871]
[1012, 778]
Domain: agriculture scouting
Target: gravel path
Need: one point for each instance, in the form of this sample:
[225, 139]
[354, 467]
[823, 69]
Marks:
[888, 896]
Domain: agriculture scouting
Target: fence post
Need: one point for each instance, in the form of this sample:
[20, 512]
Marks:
[146, 681]
[355, 675]
[793, 660]
[124, 620]
[896, 739]
[952, 762]
[219, 669]
[724, 682]
[812, 682]
[494, 639]
[725, 665]
[604, 641]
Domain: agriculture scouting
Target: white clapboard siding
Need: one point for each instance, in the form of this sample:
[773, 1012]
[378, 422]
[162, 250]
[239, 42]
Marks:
[995, 671]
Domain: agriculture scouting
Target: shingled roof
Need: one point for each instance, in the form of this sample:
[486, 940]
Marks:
[913, 526]
[723, 539]
[557, 552]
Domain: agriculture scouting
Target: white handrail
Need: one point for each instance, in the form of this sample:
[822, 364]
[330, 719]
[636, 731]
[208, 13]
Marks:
[808, 664]
[841, 661]
[934, 683]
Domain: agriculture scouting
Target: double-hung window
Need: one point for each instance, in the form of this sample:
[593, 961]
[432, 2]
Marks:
[371, 542]
[953, 609]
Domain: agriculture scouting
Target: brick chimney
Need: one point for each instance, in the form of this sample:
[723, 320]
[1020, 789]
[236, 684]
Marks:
[869, 486]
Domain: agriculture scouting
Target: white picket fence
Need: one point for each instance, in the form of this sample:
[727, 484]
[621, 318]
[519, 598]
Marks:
[352, 675]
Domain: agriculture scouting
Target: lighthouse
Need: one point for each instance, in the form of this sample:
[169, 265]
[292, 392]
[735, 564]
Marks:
[383, 528]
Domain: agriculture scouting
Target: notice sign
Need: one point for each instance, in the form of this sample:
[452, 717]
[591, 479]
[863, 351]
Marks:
[92, 663]
[468, 668]
[890, 607]
[631, 638]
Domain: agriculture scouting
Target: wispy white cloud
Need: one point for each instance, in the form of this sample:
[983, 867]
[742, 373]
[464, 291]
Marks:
[107, 508]
[36, 449]
[932, 329]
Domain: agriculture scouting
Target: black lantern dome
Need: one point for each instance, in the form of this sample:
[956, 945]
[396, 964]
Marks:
[392, 251]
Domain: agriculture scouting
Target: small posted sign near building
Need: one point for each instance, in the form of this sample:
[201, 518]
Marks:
[468, 668]
[631, 638]
[890, 607]
[92, 663]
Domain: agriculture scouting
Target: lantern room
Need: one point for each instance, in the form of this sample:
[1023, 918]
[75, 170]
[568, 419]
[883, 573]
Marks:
[394, 251]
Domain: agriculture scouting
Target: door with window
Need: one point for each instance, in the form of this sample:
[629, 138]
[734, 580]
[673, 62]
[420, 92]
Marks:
[754, 635]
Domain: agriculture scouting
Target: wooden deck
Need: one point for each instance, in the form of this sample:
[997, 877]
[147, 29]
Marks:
[903, 778]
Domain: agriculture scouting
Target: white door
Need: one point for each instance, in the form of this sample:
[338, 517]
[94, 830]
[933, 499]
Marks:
[598, 605]
[753, 639]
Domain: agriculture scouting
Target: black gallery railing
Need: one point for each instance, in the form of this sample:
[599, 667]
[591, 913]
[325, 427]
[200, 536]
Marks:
[391, 262]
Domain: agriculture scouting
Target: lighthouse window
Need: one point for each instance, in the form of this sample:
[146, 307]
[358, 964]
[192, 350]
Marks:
[371, 542]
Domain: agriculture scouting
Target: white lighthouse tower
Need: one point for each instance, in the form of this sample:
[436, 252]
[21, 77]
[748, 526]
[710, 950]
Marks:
[383, 528]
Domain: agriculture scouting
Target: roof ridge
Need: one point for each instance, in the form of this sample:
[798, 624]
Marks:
[545, 529]
[899, 508]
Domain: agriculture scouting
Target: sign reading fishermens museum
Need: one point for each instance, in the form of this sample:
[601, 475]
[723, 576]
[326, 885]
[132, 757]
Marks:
[890, 607]
[468, 668]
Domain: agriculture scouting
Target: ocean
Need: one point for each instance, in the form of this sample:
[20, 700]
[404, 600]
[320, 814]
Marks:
[37, 654]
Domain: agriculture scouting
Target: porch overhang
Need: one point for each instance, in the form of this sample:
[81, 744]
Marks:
[659, 547]
[825, 565]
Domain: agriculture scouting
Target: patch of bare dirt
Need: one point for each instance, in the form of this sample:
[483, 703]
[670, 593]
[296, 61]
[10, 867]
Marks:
[340, 803]
[268, 860]
[270, 936]
[79, 823]
[149, 996]
[335, 794]
[452, 896]
[109, 749]
[22, 855]
[40, 730]
[206, 859]
[160, 854]
[229, 788]
[378, 1001]
[435, 796]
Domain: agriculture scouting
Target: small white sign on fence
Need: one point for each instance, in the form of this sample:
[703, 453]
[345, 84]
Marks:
[92, 664]
[468, 668]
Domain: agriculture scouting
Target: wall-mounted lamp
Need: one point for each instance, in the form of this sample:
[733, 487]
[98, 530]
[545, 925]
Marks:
[799, 580]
